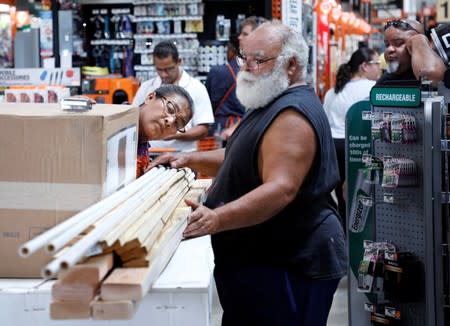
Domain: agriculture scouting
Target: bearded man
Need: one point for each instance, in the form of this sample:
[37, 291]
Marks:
[408, 53]
[278, 244]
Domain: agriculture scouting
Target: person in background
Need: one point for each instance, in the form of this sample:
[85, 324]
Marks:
[163, 113]
[279, 246]
[408, 53]
[221, 85]
[167, 64]
[354, 80]
[248, 25]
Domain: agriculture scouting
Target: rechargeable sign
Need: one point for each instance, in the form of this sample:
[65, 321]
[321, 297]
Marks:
[395, 96]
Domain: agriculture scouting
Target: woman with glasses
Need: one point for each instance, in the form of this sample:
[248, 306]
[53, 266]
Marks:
[169, 71]
[354, 80]
[165, 111]
[408, 53]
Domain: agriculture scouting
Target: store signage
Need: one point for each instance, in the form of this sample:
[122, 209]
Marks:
[40, 76]
[386, 4]
[292, 14]
[395, 96]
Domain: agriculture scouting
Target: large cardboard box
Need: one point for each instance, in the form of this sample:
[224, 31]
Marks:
[54, 164]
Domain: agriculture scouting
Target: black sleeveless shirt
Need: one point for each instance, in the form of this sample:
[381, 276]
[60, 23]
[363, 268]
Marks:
[306, 235]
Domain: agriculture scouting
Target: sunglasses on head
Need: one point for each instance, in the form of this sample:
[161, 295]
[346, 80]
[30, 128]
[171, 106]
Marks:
[400, 24]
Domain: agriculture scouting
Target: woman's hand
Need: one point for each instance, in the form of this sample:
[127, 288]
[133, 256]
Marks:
[175, 161]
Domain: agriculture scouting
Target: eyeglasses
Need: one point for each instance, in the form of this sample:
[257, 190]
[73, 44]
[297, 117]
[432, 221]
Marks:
[400, 24]
[252, 64]
[173, 110]
[374, 62]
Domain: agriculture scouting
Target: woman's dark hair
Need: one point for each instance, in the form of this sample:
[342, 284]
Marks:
[170, 89]
[347, 70]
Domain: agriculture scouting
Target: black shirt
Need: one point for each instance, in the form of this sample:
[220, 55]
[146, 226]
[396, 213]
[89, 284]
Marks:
[306, 235]
[407, 77]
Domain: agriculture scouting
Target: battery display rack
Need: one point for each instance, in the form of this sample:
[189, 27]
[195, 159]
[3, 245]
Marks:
[396, 212]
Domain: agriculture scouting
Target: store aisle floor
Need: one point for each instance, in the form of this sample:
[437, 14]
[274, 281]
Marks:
[338, 314]
[339, 309]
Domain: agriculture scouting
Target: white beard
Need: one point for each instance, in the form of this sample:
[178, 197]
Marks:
[392, 66]
[257, 91]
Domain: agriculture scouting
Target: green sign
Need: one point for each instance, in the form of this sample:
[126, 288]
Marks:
[395, 96]
[360, 221]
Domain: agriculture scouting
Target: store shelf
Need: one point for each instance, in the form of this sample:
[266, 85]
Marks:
[102, 2]
[112, 42]
[144, 2]
[152, 68]
[165, 36]
[180, 51]
[138, 19]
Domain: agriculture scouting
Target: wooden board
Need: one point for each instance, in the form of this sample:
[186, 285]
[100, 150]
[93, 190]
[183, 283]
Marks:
[91, 271]
[125, 284]
[134, 283]
[82, 292]
[109, 310]
[70, 310]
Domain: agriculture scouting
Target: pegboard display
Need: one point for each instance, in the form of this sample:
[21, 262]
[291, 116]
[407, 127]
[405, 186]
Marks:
[394, 168]
[402, 222]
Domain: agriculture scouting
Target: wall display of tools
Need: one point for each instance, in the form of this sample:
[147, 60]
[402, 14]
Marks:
[6, 52]
[178, 21]
[110, 37]
[396, 214]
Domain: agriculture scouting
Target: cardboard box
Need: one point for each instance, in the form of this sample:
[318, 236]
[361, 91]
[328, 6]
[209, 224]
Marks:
[182, 295]
[54, 164]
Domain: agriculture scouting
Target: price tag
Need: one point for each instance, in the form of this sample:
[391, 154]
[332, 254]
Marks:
[443, 11]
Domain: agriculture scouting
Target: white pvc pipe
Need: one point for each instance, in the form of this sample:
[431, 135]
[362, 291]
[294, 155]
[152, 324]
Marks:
[73, 254]
[51, 269]
[141, 227]
[128, 220]
[106, 206]
[84, 218]
[172, 196]
[78, 250]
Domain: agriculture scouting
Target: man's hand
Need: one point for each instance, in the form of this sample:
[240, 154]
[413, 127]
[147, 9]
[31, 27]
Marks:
[425, 62]
[201, 221]
[415, 41]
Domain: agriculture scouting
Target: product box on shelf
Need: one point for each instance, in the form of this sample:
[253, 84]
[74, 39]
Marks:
[53, 164]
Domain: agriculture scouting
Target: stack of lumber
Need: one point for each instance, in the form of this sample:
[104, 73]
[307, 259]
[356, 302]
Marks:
[107, 257]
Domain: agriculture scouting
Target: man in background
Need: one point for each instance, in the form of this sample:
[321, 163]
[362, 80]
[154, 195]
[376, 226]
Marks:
[221, 86]
[248, 25]
[168, 67]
